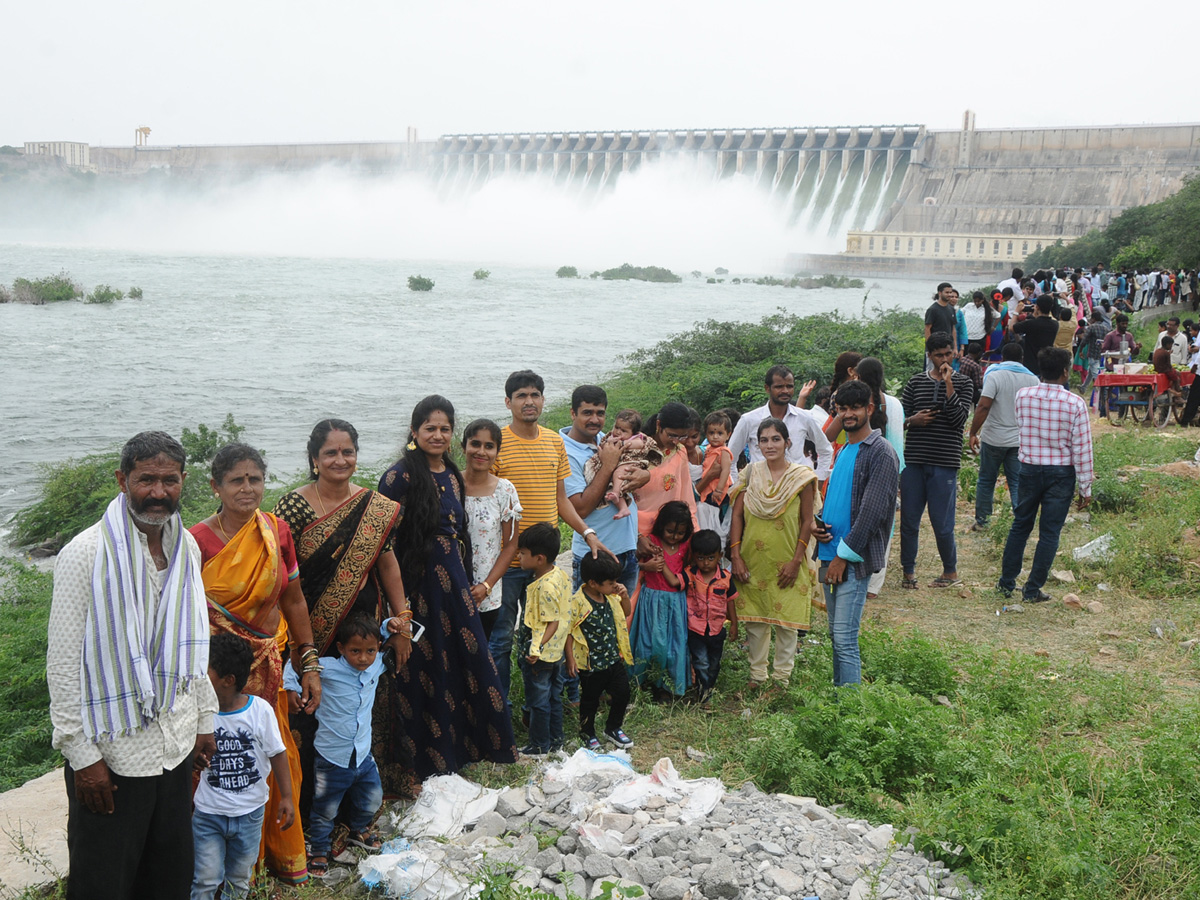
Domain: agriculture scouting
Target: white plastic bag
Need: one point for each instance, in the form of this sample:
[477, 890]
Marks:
[448, 803]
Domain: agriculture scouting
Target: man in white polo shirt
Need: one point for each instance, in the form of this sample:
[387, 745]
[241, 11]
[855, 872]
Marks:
[780, 384]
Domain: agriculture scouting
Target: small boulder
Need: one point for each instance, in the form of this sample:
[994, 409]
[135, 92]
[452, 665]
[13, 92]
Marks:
[788, 882]
[719, 880]
[670, 888]
[1072, 601]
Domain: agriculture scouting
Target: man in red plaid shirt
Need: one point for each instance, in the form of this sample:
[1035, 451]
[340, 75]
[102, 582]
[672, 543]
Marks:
[1056, 452]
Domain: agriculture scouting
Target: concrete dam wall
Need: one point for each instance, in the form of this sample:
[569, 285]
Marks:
[974, 198]
[1054, 181]
[369, 155]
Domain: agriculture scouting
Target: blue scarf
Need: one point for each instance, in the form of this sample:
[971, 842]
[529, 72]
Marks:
[1006, 366]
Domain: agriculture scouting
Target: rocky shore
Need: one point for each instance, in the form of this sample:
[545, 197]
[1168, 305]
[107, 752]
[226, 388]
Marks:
[596, 826]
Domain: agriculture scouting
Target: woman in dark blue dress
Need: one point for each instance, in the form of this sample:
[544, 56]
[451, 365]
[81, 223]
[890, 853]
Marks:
[448, 694]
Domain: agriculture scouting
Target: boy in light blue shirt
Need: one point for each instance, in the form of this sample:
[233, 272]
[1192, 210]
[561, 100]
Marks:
[344, 766]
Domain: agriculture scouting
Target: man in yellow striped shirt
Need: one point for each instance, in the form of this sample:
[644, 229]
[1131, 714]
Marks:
[534, 460]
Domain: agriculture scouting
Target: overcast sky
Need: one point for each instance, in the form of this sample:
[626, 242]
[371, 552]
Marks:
[271, 71]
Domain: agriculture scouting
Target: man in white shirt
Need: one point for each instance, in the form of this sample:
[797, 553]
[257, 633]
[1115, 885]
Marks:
[1014, 282]
[1180, 342]
[781, 388]
[127, 669]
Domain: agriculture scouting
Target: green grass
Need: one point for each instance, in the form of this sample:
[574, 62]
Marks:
[1053, 784]
[25, 731]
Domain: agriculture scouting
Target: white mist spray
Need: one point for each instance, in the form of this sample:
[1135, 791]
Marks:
[670, 212]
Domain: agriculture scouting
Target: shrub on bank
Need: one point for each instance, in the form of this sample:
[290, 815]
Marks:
[567, 272]
[74, 493]
[419, 283]
[720, 364]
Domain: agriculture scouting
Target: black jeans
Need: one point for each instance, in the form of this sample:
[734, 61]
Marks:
[615, 680]
[143, 850]
[1193, 402]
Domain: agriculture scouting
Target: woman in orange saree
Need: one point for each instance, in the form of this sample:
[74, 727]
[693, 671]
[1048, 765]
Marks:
[251, 580]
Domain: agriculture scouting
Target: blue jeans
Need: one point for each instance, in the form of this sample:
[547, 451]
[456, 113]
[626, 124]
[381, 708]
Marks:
[1050, 488]
[226, 850]
[990, 460]
[705, 651]
[923, 485]
[844, 607]
[628, 577]
[543, 695]
[512, 595]
[359, 785]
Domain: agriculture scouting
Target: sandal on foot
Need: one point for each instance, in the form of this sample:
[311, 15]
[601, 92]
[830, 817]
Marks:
[368, 840]
[318, 866]
[943, 582]
[910, 582]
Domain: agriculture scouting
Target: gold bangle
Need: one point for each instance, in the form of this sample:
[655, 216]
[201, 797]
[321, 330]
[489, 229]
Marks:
[734, 544]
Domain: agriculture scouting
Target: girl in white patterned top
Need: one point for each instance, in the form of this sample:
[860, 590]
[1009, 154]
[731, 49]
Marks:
[492, 515]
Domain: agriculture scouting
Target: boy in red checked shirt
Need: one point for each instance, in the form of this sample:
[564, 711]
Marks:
[710, 594]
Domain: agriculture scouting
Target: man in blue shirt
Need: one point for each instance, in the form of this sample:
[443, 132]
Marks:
[583, 439]
[860, 505]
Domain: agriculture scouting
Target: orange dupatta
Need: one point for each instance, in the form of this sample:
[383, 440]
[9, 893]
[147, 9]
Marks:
[243, 584]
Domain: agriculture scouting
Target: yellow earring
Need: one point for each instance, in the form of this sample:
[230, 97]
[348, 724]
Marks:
[412, 445]
[315, 470]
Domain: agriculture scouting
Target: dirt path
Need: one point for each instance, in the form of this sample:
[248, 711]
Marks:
[1119, 638]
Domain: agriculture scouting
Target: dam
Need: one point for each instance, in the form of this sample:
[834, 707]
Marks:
[899, 198]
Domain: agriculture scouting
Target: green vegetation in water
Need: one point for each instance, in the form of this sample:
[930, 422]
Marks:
[58, 289]
[74, 493]
[567, 272]
[626, 272]
[1164, 233]
[51, 289]
[481, 274]
[103, 293]
[808, 283]
[420, 283]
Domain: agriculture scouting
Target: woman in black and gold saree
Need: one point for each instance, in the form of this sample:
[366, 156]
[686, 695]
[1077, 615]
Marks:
[343, 534]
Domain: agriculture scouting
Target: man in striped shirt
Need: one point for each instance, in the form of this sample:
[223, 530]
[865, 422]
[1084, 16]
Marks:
[936, 405]
[534, 460]
[1056, 455]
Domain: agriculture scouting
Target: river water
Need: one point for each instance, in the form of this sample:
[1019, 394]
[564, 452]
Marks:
[282, 342]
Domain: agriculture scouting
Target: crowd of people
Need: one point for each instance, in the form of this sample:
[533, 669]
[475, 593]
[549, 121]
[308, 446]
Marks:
[363, 640]
[1085, 312]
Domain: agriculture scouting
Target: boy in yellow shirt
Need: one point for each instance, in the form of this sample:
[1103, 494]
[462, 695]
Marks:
[543, 636]
[598, 648]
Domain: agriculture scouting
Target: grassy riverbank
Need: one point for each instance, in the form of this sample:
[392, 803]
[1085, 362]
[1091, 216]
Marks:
[1050, 753]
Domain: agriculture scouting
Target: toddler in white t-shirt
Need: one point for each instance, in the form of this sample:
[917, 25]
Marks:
[232, 795]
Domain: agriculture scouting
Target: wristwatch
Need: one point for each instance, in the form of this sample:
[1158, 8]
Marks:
[587, 532]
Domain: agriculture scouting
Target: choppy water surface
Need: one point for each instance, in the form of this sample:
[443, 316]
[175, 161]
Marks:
[282, 342]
